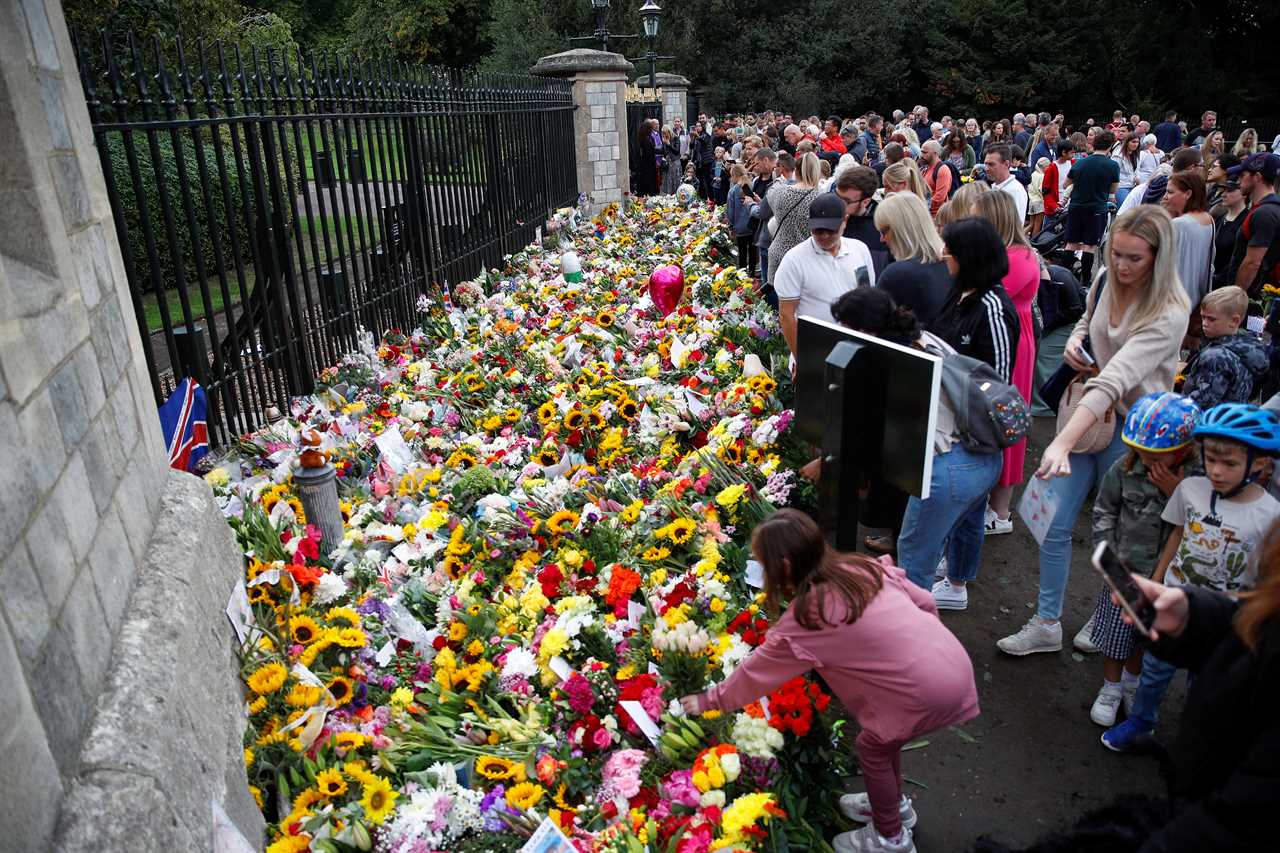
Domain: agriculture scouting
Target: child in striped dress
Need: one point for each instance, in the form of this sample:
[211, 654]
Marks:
[1126, 513]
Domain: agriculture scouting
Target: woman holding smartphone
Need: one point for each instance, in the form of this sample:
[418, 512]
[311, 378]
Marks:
[1136, 317]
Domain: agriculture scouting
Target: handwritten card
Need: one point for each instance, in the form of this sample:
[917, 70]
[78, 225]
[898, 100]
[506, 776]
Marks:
[547, 838]
[1038, 506]
[755, 574]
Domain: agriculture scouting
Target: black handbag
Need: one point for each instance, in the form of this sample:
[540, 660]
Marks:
[1053, 388]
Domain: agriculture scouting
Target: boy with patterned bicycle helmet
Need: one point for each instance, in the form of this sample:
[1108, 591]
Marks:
[1221, 520]
[1126, 513]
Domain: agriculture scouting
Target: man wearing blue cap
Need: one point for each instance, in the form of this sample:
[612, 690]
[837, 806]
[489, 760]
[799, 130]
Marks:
[1256, 259]
[817, 272]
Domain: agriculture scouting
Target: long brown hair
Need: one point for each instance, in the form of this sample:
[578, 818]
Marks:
[800, 564]
[1263, 603]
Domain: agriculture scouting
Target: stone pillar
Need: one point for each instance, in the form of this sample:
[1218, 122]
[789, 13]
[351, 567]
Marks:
[128, 717]
[675, 96]
[600, 119]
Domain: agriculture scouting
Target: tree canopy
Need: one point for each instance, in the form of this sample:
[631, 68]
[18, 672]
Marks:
[981, 57]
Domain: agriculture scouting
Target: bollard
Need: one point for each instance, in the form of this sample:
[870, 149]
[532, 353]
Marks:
[316, 482]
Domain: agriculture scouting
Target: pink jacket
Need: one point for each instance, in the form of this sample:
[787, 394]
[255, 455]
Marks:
[897, 668]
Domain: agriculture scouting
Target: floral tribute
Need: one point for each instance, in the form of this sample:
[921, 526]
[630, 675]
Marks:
[547, 490]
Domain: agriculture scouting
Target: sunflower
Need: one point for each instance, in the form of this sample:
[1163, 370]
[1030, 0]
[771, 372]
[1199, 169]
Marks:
[303, 695]
[574, 419]
[562, 521]
[632, 512]
[628, 409]
[461, 458]
[453, 566]
[492, 423]
[593, 417]
[304, 630]
[259, 594]
[548, 413]
[681, 530]
[604, 319]
[268, 678]
[342, 614]
[351, 638]
[348, 740]
[511, 415]
[525, 795]
[493, 767]
[359, 771]
[290, 844]
[730, 453]
[379, 800]
[656, 554]
[341, 689]
[547, 456]
[330, 783]
[473, 382]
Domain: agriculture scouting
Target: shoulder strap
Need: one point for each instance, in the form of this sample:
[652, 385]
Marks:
[1097, 293]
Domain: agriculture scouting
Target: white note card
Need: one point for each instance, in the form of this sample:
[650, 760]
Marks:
[560, 667]
[642, 719]
[755, 574]
[1038, 506]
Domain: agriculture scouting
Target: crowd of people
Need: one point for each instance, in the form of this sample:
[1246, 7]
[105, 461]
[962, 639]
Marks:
[1120, 276]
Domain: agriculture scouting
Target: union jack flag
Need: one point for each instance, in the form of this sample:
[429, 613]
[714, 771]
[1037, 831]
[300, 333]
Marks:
[182, 419]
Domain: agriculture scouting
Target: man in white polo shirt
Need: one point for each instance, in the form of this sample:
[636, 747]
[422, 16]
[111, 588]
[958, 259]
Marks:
[823, 268]
[997, 160]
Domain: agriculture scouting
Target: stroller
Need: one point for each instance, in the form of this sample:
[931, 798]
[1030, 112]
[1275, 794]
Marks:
[1052, 237]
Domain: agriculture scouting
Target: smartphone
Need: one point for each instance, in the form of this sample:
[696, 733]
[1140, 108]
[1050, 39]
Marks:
[1119, 576]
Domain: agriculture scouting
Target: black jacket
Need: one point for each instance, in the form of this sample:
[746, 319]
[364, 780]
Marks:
[1226, 759]
[983, 326]
[864, 228]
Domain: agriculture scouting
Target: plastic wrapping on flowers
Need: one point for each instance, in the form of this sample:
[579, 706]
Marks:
[547, 491]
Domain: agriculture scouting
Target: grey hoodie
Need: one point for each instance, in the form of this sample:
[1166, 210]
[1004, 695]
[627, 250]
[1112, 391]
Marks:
[1225, 370]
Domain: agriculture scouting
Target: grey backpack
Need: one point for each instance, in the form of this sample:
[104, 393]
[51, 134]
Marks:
[991, 414]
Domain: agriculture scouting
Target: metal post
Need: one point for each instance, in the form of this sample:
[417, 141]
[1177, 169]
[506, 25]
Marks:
[838, 486]
[316, 482]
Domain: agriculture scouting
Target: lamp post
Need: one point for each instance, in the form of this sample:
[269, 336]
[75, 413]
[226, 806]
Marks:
[602, 34]
[650, 13]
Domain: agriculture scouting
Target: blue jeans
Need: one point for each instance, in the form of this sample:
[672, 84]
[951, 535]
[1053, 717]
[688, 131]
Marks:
[1152, 685]
[951, 517]
[1121, 193]
[1070, 493]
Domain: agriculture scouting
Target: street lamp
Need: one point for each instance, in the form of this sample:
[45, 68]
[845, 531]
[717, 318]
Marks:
[650, 12]
[601, 8]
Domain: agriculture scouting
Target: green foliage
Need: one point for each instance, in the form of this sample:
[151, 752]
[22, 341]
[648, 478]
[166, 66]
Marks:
[441, 32]
[143, 200]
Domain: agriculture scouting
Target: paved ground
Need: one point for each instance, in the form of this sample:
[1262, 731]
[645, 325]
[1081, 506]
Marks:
[1035, 762]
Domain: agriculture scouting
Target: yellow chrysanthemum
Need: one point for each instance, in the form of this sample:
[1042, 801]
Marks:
[379, 800]
[268, 678]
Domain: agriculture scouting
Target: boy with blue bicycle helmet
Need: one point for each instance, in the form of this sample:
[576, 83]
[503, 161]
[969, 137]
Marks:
[1126, 513]
[1220, 521]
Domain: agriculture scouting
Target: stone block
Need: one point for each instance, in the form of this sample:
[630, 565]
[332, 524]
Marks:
[31, 786]
[124, 417]
[110, 340]
[93, 266]
[85, 627]
[14, 514]
[77, 394]
[43, 453]
[609, 167]
[41, 33]
[113, 565]
[135, 503]
[171, 709]
[595, 139]
[75, 503]
[55, 111]
[51, 553]
[24, 606]
[60, 701]
[73, 193]
[599, 111]
[609, 138]
[42, 321]
[144, 403]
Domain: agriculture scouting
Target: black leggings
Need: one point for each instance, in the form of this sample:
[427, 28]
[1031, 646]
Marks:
[748, 254]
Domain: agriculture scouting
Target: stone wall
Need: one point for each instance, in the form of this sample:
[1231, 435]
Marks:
[83, 474]
[600, 119]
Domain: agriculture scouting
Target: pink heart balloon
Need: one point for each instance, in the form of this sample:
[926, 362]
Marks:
[666, 286]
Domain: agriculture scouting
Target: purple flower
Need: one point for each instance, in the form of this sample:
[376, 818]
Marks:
[375, 607]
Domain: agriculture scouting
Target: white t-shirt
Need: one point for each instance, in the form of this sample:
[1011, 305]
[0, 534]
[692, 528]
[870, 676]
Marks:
[1217, 553]
[1064, 171]
[1014, 188]
[817, 279]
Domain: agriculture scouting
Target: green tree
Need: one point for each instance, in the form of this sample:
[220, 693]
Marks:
[442, 32]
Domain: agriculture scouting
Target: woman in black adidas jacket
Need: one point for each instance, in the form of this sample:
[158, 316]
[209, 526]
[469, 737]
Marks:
[978, 318]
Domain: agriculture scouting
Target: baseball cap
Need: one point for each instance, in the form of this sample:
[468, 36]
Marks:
[826, 211]
[1268, 165]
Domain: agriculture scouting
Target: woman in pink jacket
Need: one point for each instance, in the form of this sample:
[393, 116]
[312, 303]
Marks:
[875, 638]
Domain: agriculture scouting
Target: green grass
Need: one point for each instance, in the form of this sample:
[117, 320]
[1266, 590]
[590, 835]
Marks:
[380, 152]
[323, 225]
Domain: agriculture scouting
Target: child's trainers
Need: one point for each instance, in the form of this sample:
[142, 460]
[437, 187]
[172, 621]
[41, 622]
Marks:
[858, 807]
[1106, 706]
[948, 597]
[867, 840]
[1083, 640]
[1126, 736]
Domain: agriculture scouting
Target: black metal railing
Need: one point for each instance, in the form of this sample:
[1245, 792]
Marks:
[270, 205]
[638, 111]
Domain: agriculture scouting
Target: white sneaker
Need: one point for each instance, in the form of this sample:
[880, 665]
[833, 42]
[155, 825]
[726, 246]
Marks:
[867, 840]
[1106, 706]
[940, 572]
[996, 525]
[1035, 636]
[1083, 641]
[949, 597]
[858, 807]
